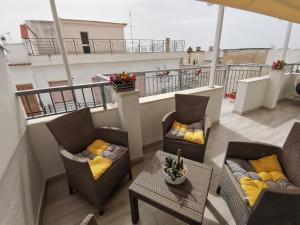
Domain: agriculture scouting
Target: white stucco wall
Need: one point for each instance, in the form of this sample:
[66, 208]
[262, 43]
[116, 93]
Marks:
[255, 92]
[250, 94]
[83, 67]
[21, 179]
[152, 110]
[293, 56]
[96, 30]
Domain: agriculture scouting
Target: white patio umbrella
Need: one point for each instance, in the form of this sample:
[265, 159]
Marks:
[283, 9]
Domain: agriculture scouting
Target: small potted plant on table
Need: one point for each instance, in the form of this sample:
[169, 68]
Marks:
[123, 81]
[174, 170]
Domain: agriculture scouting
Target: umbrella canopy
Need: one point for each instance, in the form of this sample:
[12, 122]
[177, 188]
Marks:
[283, 9]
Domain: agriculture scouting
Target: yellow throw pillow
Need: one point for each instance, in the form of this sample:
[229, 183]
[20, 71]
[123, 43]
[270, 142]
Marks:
[266, 164]
[99, 165]
[272, 176]
[179, 126]
[98, 146]
[252, 188]
[195, 137]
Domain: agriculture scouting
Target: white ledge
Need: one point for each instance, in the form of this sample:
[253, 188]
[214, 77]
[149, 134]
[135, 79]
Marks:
[160, 97]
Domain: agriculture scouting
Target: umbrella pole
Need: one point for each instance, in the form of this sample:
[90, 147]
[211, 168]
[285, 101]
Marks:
[61, 42]
[287, 40]
[216, 46]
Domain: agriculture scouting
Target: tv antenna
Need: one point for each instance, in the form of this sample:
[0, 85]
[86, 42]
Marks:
[130, 26]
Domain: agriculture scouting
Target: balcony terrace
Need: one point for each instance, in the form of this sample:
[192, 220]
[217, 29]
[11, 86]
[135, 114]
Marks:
[34, 174]
[260, 125]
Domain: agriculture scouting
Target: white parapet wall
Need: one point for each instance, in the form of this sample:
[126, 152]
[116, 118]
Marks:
[250, 94]
[21, 180]
[254, 93]
[151, 109]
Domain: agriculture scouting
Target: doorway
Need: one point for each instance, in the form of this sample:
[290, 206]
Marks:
[85, 42]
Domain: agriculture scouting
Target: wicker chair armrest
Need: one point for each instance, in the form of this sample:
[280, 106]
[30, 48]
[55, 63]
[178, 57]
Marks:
[251, 150]
[276, 206]
[113, 135]
[207, 124]
[89, 220]
[77, 168]
[167, 121]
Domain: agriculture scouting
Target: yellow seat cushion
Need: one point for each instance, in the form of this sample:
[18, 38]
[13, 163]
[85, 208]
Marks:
[99, 166]
[266, 164]
[252, 188]
[97, 147]
[272, 176]
[195, 137]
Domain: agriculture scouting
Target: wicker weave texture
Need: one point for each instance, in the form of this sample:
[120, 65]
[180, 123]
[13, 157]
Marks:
[184, 201]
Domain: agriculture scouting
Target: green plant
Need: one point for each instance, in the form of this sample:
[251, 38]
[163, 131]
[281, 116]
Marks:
[174, 168]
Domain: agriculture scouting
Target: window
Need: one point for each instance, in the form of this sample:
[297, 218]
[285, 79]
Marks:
[85, 42]
[31, 104]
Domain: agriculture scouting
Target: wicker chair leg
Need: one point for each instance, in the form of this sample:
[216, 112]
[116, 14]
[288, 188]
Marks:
[130, 174]
[101, 212]
[218, 191]
[70, 189]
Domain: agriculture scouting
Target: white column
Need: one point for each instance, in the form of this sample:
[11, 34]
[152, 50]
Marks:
[216, 46]
[61, 42]
[287, 40]
[129, 112]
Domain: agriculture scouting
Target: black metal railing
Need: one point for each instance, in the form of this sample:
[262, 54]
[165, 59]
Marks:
[50, 46]
[164, 81]
[55, 100]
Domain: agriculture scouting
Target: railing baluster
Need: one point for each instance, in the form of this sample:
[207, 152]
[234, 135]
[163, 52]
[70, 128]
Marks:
[93, 96]
[52, 102]
[110, 46]
[63, 98]
[103, 97]
[41, 104]
[29, 107]
[84, 100]
[75, 46]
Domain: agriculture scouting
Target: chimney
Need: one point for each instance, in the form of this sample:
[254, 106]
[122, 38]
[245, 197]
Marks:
[24, 31]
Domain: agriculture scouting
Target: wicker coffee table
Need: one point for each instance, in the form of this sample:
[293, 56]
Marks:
[186, 201]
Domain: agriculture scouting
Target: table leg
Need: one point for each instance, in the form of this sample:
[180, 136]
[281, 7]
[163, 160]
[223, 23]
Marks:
[134, 208]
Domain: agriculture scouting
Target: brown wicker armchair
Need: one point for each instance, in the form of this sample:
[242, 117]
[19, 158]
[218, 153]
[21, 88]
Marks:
[188, 109]
[74, 132]
[273, 206]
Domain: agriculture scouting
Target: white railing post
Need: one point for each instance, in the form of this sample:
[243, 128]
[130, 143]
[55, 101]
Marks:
[216, 46]
[61, 41]
[287, 40]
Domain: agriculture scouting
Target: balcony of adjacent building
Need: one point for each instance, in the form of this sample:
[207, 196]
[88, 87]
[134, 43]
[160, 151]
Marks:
[50, 46]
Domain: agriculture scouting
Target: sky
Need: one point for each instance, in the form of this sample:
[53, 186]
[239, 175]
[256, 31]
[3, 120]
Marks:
[189, 20]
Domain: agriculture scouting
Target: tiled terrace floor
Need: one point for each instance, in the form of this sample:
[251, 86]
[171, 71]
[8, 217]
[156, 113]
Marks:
[270, 126]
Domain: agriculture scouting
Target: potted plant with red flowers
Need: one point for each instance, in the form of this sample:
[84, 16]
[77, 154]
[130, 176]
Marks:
[278, 65]
[123, 81]
[232, 96]
[277, 68]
